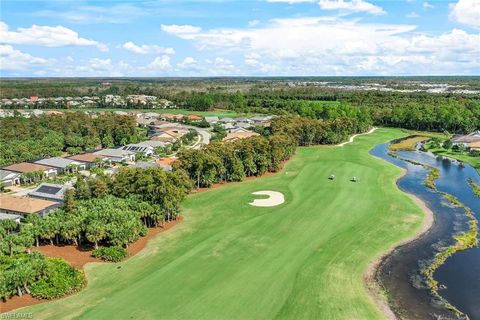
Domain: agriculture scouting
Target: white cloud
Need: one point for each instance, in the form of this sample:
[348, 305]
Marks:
[290, 1]
[188, 63]
[466, 12]
[335, 46]
[180, 30]
[427, 5]
[160, 63]
[145, 49]
[253, 23]
[13, 59]
[351, 6]
[412, 14]
[88, 14]
[58, 36]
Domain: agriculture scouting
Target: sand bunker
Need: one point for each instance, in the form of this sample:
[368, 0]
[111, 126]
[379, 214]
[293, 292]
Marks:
[274, 199]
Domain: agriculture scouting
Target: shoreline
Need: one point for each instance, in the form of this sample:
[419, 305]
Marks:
[373, 287]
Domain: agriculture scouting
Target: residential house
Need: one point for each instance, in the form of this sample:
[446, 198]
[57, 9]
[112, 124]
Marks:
[144, 165]
[243, 124]
[226, 120]
[169, 134]
[166, 163]
[89, 159]
[170, 117]
[465, 140]
[63, 165]
[243, 119]
[9, 178]
[14, 205]
[228, 126]
[117, 155]
[49, 191]
[212, 120]
[25, 169]
[150, 115]
[239, 135]
[194, 117]
[474, 145]
[146, 147]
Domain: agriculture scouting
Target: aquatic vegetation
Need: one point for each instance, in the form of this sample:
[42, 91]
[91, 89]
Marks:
[463, 241]
[475, 187]
[408, 144]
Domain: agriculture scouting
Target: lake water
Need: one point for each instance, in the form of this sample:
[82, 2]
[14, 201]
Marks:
[460, 275]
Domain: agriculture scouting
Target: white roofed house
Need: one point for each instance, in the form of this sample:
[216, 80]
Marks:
[212, 120]
[117, 155]
[226, 120]
[145, 147]
[63, 165]
[9, 178]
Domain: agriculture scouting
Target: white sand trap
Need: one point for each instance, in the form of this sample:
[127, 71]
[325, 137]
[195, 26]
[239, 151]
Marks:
[275, 198]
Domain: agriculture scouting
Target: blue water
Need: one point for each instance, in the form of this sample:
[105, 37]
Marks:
[399, 273]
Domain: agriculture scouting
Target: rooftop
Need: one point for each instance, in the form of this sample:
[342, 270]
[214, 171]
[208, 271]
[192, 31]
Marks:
[116, 153]
[5, 174]
[57, 162]
[86, 157]
[26, 167]
[49, 190]
[24, 204]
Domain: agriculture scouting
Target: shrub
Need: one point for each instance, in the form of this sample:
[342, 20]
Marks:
[59, 279]
[114, 254]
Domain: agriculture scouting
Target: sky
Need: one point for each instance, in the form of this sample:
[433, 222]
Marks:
[167, 38]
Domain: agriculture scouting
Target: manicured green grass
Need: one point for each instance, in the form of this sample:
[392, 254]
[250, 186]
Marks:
[304, 259]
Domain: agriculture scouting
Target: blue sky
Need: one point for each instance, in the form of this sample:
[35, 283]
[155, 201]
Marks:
[239, 38]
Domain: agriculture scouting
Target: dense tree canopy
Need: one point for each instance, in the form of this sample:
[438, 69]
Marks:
[24, 139]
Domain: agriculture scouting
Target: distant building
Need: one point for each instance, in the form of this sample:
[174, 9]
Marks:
[49, 191]
[466, 140]
[239, 135]
[194, 117]
[117, 155]
[212, 120]
[474, 146]
[146, 147]
[9, 178]
[90, 159]
[144, 165]
[63, 165]
[166, 163]
[26, 167]
[23, 205]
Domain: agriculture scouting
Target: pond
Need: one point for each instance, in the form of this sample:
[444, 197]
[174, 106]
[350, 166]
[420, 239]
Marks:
[459, 277]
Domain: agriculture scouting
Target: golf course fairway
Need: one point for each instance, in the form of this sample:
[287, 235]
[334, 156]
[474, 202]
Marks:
[303, 259]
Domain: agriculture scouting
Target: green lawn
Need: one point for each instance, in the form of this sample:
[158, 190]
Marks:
[304, 259]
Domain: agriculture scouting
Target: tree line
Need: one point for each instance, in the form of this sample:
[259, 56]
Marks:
[24, 139]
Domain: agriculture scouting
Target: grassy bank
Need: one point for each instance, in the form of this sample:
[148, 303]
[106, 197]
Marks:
[228, 260]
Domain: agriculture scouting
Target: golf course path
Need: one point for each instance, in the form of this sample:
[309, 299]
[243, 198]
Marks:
[354, 136]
